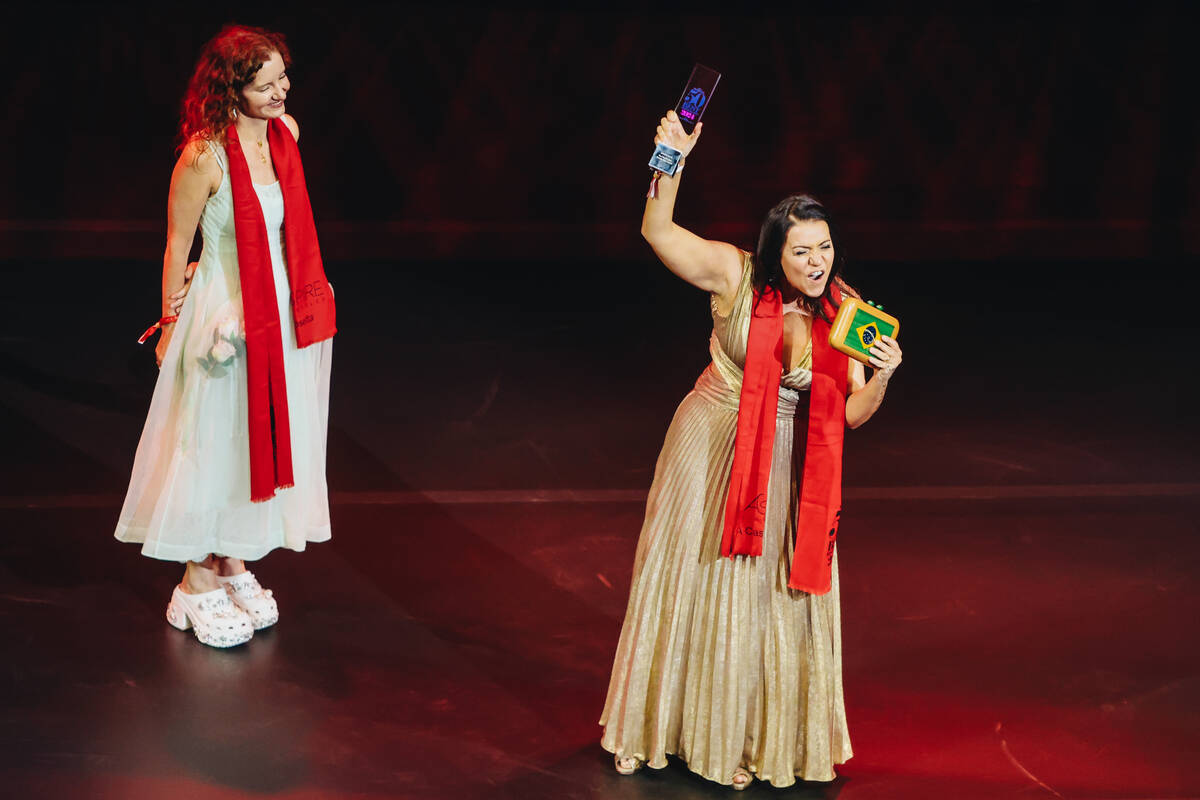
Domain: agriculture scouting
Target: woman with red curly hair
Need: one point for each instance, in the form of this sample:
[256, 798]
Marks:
[231, 463]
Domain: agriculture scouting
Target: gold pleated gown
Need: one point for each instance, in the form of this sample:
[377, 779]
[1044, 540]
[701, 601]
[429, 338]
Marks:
[719, 662]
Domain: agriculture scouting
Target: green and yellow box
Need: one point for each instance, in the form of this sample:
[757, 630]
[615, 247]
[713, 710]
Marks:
[858, 325]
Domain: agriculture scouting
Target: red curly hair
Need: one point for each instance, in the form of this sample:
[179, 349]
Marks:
[227, 64]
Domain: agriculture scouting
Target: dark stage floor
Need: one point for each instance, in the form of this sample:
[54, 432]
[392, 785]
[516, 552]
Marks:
[1018, 551]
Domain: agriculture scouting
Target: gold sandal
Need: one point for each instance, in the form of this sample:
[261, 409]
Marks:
[627, 765]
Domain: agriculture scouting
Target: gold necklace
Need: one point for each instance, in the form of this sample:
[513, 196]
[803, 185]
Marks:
[261, 153]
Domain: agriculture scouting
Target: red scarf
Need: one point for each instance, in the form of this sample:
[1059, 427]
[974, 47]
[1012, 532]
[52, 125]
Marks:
[821, 485]
[312, 301]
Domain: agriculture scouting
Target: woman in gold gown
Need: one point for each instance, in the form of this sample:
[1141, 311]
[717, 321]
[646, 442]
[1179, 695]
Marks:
[719, 662]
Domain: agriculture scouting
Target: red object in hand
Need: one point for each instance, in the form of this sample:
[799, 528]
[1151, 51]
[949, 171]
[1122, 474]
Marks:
[150, 331]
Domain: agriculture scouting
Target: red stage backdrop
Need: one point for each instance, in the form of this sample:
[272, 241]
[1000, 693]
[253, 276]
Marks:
[466, 131]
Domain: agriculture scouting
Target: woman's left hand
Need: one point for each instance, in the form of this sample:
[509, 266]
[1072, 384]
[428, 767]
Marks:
[886, 356]
[176, 300]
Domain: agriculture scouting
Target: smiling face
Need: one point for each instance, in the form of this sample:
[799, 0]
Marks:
[807, 256]
[263, 97]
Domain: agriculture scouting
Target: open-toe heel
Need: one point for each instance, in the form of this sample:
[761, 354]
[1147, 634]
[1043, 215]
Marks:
[742, 778]
[627, 765]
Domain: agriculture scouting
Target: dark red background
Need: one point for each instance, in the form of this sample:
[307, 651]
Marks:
[443, 130]
[1019, 551]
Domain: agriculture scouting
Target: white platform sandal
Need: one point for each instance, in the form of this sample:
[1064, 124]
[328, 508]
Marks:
[249, 595]
[216, 620]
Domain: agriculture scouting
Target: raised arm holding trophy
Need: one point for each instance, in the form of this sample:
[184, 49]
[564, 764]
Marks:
[730, 652]
[667, 159]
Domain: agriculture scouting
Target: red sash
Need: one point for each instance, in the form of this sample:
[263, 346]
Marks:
[821, 483]
[312, 301]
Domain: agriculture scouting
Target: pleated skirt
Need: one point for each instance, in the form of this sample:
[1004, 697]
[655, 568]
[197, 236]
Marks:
[719, 662]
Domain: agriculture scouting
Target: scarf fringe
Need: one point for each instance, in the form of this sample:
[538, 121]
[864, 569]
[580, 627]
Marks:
[273, 493]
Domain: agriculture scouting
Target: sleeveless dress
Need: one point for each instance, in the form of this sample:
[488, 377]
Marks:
[189, 494]
[719, 662]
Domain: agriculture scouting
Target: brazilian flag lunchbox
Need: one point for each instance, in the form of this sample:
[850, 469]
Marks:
[858, 325]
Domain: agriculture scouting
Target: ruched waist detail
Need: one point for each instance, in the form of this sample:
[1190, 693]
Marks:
[721, 382]
[712, 387]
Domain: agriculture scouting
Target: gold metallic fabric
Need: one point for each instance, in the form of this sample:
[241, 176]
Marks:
[719, 662]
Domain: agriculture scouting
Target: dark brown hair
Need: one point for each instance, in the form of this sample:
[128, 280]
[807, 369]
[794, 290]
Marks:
[768, 269]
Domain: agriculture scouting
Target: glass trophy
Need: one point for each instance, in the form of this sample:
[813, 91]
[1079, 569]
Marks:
[696, 95]
[695, 99]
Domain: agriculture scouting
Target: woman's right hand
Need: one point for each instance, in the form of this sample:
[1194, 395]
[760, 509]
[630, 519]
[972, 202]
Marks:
[670, 132]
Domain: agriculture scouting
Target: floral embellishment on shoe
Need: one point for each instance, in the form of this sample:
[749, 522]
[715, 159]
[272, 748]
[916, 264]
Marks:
[212, 616]
[248, 594]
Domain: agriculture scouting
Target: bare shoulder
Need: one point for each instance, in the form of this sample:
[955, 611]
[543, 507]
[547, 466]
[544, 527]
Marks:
[197, 163]
[197, 154]
[293, 126]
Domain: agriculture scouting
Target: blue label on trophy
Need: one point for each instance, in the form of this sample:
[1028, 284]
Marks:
[696, 95]
[692, 105]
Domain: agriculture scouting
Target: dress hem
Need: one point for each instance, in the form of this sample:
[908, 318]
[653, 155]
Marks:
[244, 553]
[765, 779]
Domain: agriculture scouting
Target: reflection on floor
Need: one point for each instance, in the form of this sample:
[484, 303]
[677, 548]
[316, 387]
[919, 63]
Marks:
[990, 646]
